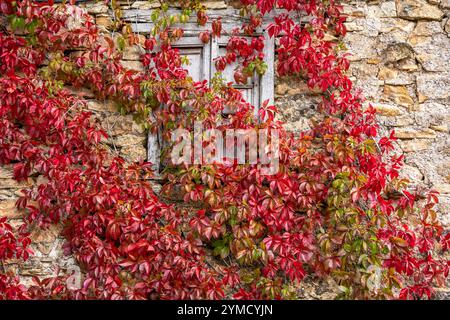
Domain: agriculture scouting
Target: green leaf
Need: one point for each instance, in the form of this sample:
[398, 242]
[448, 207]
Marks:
[121, 43]
[155, 15]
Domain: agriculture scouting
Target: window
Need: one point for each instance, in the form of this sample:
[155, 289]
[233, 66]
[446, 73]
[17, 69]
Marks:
[201, 57]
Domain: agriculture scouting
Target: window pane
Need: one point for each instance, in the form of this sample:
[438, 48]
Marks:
[195, 67]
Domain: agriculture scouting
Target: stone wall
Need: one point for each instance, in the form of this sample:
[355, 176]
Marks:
[400, 60]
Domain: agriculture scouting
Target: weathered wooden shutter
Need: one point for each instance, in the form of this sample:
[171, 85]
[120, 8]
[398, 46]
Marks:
[199, 68]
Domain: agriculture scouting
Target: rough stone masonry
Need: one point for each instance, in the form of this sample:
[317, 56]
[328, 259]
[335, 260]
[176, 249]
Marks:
[400, 60]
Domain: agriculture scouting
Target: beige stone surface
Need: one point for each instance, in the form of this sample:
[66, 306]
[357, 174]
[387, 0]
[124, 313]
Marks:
[133, 65]
[388, 110]
[397, 52]
[6, 172]
[412, 173]
[145, 5]
[445, 4]
[49, 235]
[127, 140]
[427, 28]
[433, 52]
[104, 21]
[434, 86]
[134, 153]
[13, 184]
[96, 105]
[441, 128]
[418, 10]
[116, 125]
[96, 7]
[443, 188]
[414, 145]
[133, 53]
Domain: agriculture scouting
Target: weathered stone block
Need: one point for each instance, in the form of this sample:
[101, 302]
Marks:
[411, 173]
[302, 124]
[133, 65]
[432, 114]
[418, 10]
[218, 4]
[399, 121]
[427, 28]
[388, 25]
[445, 4]
[134, 153]
[81, 92]
[388, 9]
[446, 26]
[35, 267]
[353, 26]
[96, 8]
[398, 94]
[119, 125]
[104, 21]
[373, 60]
[143, 5]
[6, 194]
[433, 86]
[433, 52]
[406, 133]
[440, 128]
[96, 105]
[394, 77]
[281, 89]
[387, 73]
[130, 140]
[408, 65]
[397, 52]
[8, 209]
[388, 110]
[442, 188]
[13, 184]
[360, 47]
[133, 53]
[39, 235]
[6, 172]
[414, 145]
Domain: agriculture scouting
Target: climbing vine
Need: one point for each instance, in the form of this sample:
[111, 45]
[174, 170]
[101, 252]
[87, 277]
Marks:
[336, 208]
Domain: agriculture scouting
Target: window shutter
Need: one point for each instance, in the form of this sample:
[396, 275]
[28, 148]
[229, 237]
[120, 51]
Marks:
[199, 68]
[258, 88]
[201, 57]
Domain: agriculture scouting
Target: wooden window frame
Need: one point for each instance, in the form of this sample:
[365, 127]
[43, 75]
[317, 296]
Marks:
[263, 85]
